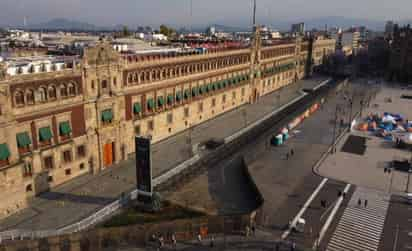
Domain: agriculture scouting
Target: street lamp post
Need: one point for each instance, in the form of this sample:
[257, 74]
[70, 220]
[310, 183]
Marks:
[409, 178]
[334, 128]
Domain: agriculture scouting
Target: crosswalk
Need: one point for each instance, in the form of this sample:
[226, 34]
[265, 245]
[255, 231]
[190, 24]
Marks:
[360, 227]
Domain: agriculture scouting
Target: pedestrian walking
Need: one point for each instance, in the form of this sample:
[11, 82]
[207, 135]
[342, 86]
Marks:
[359, 202]
[366, 203]
[293, 247]
[212, 242]
[292, 152]
[253, 230]
[199, 238]
[174, 242]
[287, 156]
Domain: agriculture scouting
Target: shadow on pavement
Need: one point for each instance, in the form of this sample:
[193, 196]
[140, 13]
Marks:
[85, 199]
[229, 188]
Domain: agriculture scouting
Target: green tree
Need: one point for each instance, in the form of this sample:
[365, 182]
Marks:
[166, 30]
[125, 31]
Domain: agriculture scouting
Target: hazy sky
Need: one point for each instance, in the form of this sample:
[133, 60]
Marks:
[177, 12]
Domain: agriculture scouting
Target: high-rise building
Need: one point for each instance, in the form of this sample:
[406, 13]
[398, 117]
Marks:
[400, 59]
[298, 28]
[389, 29]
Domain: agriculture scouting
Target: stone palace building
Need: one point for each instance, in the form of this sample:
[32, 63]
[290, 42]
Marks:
[57, 125]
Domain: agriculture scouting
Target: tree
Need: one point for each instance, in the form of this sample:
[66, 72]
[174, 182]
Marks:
[166, 30]
[125, 31]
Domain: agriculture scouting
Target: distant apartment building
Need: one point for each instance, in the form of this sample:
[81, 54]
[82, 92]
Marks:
[60, 119]
[400, 59]
[347, 41]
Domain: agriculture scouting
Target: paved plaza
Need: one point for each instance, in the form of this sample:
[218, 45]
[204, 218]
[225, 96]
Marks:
[82, 196]
[367, 170]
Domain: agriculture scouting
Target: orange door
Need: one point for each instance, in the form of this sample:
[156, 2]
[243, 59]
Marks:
[108, 154]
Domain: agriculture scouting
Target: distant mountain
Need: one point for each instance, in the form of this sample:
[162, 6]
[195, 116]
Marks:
[64, 24]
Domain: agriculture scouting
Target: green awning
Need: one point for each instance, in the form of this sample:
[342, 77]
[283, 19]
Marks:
[202, 89]
[137, 108]
[107, 115]
[45, 133]
[187, 93]
[23, 139]
[150, 104]
[219, 85]
[209, 87]
[195, 91]
[179, 95]
[4, 152]
[170, 99]
[160, 101]
[65, 128]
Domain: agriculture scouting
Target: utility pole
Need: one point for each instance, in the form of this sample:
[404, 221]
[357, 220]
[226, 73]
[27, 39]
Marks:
[409, 178]
[191, 15]
[254, 13]
[334, 129]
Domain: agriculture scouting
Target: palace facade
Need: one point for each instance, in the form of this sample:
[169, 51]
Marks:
[57, 125]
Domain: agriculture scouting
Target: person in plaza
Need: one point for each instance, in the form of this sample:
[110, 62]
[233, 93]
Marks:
[293, 247]
[287, 155]
[174, 241]
[292, 152]
[199, 238]
[359, 202]
[366, 203]
[212, 242]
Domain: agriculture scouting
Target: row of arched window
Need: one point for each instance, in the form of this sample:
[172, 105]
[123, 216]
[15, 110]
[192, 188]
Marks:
[156, 74]
[42, 94]
[278, 52]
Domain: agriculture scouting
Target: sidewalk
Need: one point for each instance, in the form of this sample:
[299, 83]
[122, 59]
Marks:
[82, 196]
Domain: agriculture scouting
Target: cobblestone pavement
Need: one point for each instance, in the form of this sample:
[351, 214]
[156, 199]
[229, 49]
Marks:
[82, 196]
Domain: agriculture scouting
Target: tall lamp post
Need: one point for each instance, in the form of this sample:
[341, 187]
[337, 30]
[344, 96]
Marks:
[409, 178]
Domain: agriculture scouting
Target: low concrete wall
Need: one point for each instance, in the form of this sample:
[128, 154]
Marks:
[134, 236]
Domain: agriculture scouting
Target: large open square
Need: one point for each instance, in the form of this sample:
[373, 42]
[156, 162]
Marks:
[367, 168]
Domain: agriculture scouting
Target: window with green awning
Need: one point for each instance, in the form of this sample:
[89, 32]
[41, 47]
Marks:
[170, 99]
[195, 91]
[219, 85]
[160, 101]
[23, 139]
[107, 115]
[209, 87]
[187, 94]
[64, 128]
[150, 104]
[202, 89]
[4, 152]
[137, 108]
[45, 134]
[179, 95]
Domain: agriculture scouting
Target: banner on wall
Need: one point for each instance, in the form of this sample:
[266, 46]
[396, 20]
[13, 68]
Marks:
[143, 167]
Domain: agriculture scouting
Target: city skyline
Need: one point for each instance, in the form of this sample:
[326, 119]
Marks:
[177, 13]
